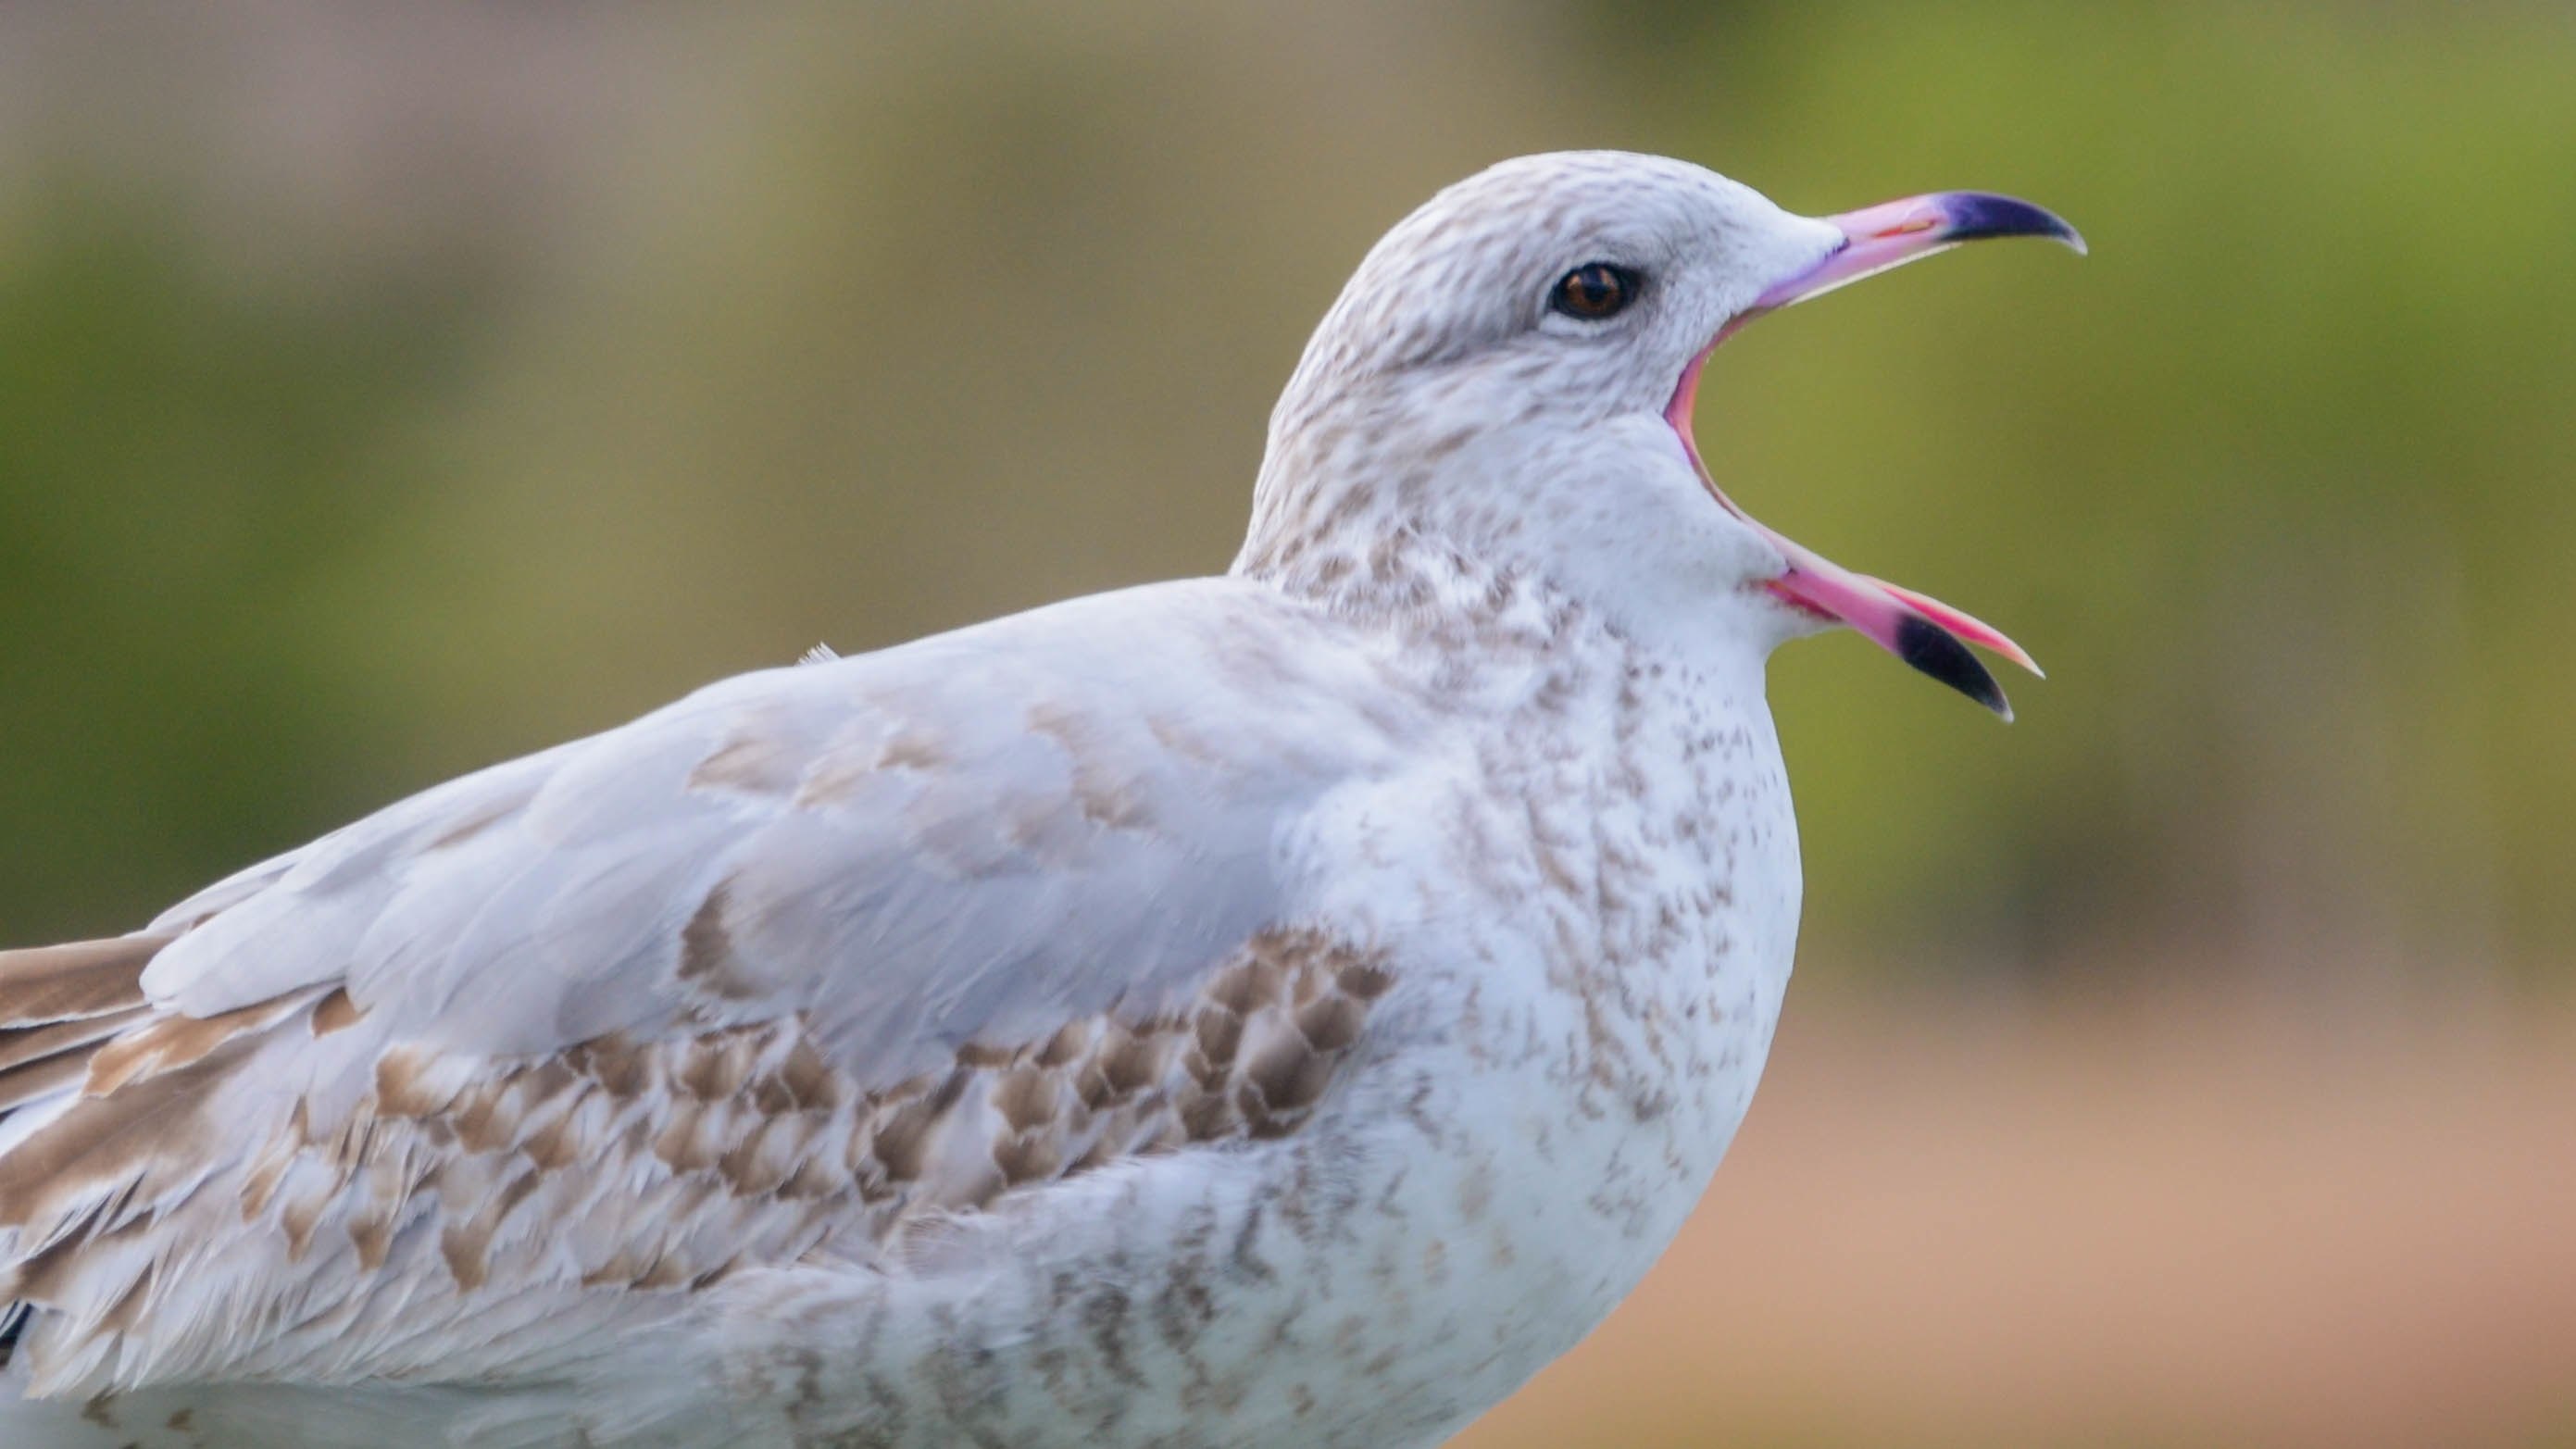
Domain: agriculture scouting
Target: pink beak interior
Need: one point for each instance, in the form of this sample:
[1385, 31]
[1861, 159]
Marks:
[1918, 629]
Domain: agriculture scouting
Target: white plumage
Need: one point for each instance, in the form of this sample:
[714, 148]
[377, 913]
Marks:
[1286, 1008]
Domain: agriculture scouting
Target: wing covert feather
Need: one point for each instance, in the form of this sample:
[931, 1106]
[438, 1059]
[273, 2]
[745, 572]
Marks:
[974, 835]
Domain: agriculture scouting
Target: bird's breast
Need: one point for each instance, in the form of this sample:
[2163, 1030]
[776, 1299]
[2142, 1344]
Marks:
[1592, 909]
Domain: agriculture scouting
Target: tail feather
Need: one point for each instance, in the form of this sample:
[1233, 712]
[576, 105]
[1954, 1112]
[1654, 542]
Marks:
[23, 1045]
[74, 982]
[58, 1004]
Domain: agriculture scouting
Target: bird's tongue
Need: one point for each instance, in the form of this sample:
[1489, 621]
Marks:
[1916, 628]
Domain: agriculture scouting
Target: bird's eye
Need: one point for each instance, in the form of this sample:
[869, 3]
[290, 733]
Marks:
[1594, 291]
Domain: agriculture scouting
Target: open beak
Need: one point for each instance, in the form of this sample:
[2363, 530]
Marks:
[1922, 631]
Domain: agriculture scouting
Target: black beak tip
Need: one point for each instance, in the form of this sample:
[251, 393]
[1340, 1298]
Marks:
[1976, 214]
[1935, 651]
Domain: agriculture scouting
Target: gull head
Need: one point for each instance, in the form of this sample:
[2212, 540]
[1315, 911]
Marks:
[1510, 375]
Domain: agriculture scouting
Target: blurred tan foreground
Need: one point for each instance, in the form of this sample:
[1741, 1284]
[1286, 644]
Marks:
[2202, 1222]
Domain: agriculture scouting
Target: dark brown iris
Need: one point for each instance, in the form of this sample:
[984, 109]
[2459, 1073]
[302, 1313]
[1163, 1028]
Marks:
[1595, 291]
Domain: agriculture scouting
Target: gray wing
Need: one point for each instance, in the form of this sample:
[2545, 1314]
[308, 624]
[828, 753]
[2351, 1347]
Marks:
[969, 836]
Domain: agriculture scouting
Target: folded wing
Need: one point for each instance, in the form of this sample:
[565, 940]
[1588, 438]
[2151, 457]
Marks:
[797, 959]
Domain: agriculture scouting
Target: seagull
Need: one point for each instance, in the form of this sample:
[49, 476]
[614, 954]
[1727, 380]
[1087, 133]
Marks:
[1286, 1008]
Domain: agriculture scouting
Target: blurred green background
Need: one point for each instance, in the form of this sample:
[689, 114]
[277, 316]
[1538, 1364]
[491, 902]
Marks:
[385, 391]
